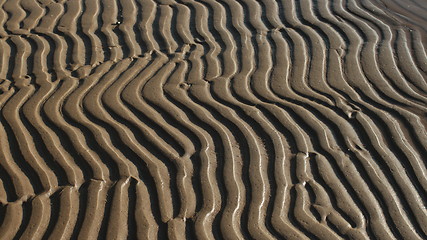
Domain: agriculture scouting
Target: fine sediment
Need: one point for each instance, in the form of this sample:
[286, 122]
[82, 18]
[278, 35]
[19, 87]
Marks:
[213, 119]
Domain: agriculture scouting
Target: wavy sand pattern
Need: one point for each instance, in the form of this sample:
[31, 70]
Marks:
[213, 119]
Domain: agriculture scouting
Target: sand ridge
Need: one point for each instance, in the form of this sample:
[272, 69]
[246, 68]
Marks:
[213, 119]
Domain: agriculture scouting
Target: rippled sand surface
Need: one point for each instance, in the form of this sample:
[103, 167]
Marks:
[213, 119]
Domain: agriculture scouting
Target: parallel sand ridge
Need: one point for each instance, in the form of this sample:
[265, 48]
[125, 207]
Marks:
[213, 119]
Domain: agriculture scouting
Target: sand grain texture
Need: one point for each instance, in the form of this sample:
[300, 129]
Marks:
[213, 119]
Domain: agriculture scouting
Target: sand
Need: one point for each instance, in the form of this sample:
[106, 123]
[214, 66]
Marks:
[213, 119]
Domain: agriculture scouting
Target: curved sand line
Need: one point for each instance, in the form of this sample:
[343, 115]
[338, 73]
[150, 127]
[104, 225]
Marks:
[204, 119]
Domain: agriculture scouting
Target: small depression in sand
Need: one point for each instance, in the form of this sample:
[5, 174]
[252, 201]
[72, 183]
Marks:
[213, 119]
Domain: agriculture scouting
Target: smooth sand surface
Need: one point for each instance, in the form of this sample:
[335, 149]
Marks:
[213, 119]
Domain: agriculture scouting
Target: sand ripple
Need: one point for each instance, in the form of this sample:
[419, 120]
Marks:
[213, 119]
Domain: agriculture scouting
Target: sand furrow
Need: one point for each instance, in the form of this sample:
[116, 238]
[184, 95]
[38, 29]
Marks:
[175, 92]
[13, 117]
[153, 92]
[129, 15]
[39, 220]
[93, 212]
[68, 25]
[206, 119]
[89, 24]
[12, 217]
[57, 42]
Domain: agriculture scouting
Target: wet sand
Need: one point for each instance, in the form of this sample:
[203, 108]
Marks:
[213, 119]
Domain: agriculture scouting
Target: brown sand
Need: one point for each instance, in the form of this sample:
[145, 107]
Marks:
[213, 119]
